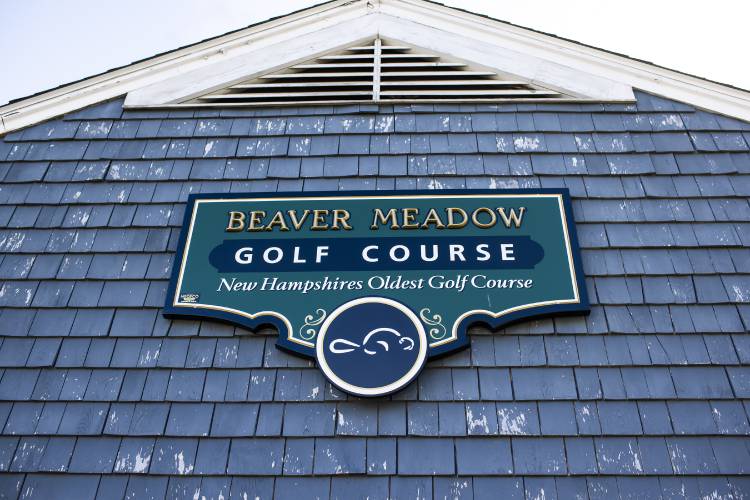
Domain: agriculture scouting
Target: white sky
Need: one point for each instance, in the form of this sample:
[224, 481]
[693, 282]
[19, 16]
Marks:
[45, 43]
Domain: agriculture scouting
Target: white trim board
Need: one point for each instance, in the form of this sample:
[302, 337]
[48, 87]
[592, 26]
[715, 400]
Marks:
[540, 59]
[230, 69]
[513, 63]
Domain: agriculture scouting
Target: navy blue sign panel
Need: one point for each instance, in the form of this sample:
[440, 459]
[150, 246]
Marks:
[528, 254]
[371, 284]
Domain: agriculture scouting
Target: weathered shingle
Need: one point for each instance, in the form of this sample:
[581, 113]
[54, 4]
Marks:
[650, 385]
[264, 456]
[425, 456]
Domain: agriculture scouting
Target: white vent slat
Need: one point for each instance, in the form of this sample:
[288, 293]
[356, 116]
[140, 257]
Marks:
[333, 66]
[365, 83]
[423, 65]
[439, 83]
[316, 75]
[487, 92]
[409, 56]
[375, 72]
[346, 57]
[383, 56]
[384, 47]
[439, 73]
[283, 94]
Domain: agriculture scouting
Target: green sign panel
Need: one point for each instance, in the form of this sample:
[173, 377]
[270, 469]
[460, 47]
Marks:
[373, 284]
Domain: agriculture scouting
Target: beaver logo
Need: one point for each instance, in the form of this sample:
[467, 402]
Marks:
[349, 346]
[371, 362]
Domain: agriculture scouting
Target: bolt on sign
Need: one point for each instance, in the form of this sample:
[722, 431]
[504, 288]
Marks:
[373, 284]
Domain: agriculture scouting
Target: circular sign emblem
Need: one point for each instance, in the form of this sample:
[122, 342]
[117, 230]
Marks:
[371, 346]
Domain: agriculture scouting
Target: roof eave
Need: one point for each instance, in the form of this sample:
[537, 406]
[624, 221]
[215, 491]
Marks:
[672, 84]
[700, 92]
[42, 106]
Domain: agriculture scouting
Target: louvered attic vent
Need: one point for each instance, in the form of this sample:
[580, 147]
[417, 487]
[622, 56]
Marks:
[375, 72]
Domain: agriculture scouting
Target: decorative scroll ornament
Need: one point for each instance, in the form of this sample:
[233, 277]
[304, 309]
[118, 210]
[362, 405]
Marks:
[437, 330]
[309, 329]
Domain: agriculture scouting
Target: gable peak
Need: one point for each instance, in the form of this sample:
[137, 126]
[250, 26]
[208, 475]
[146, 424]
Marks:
[379, 71]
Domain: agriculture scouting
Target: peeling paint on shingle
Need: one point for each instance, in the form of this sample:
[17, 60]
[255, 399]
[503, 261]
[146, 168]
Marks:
[659, 195]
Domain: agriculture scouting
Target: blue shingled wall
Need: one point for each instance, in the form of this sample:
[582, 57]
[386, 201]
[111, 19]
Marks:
[649, 396]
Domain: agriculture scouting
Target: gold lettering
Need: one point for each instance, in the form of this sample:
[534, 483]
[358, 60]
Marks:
[409, 215]
[236, 222]
[432, 218]
[341, 217]
[378, 215]
[277, 220]
[319, 220]
[483, 225]
[297, 223]
[514, 218]
[256, 220]
[451, 222]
